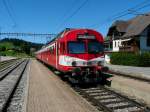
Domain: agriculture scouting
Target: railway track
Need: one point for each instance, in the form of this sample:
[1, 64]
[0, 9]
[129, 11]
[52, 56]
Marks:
[7, 63]
[9, 80]
[107, 100]
[4, 72]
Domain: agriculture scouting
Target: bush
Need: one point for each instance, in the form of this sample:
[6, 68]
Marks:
[131, 59]
[144, 59]
[2, 48]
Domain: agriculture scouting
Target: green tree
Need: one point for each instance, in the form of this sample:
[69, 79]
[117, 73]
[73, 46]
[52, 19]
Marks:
[3, 48]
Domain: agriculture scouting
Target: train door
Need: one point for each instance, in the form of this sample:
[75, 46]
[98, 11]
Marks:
[60, 51]
[57, 53]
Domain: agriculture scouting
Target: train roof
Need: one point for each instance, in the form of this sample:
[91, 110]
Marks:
[56, 37]
[61, 33]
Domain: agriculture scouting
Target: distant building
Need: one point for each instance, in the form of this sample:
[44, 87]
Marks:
[131, 36]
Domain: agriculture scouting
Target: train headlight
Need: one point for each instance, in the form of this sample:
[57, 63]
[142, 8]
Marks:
[74, 63]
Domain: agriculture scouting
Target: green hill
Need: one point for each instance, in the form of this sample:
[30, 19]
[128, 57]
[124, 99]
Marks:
[18, 47]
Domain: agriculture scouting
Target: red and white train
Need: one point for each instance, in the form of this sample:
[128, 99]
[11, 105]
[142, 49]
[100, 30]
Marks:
[78, 53]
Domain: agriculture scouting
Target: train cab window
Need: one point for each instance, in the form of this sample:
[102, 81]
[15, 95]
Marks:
[62, 48]
[95, 47]
[76, 47]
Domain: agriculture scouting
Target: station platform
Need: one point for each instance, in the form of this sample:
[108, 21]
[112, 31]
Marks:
[48, 93]
[134, 89]
[140, 72]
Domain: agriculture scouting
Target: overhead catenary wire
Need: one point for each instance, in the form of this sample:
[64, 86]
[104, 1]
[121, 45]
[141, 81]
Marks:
[130, 12]
[9, 12]
[123, 13]
[132, 8]
[74, 13]
[71, 6]
[12, 12]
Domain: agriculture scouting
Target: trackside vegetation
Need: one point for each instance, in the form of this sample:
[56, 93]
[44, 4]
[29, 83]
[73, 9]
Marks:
[18, 48]
[131, 59]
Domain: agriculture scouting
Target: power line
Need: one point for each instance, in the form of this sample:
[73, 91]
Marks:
[74, 13]
[136, 6]
[9, 12]
[9, 6]
[27, 34]
[67, 11]
[130, 12]
[123, 13]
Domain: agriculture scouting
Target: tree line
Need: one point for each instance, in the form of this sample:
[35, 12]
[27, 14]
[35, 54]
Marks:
[21, 45]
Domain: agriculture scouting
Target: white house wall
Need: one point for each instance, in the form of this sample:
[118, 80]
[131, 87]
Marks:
[116, 45]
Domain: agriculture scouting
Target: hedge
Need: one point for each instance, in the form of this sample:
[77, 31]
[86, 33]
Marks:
[131, 59]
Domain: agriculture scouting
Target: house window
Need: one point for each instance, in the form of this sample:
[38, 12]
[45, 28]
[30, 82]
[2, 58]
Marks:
[114, 43]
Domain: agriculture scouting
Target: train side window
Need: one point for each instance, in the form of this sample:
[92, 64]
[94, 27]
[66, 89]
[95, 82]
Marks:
[54, 49]
[51, 50]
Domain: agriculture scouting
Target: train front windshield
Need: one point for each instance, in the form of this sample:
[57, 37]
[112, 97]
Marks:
[76, 47]
[95, 47]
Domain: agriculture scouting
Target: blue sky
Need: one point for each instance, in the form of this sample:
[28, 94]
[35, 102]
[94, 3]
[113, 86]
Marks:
[51, 16]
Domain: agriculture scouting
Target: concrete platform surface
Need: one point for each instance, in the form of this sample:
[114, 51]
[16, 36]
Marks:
[134, 88]
[142, 72]
[47, 93]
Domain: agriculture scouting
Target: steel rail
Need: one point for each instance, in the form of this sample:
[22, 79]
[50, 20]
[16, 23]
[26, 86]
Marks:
[8, 70]
[6, 64]
[17, 75]
[110, 101]
[6, 61]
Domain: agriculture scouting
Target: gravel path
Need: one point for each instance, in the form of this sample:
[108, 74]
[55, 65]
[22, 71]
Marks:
[47, 93]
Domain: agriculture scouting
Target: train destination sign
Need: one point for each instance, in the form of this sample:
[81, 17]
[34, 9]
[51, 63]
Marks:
[86, 37]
